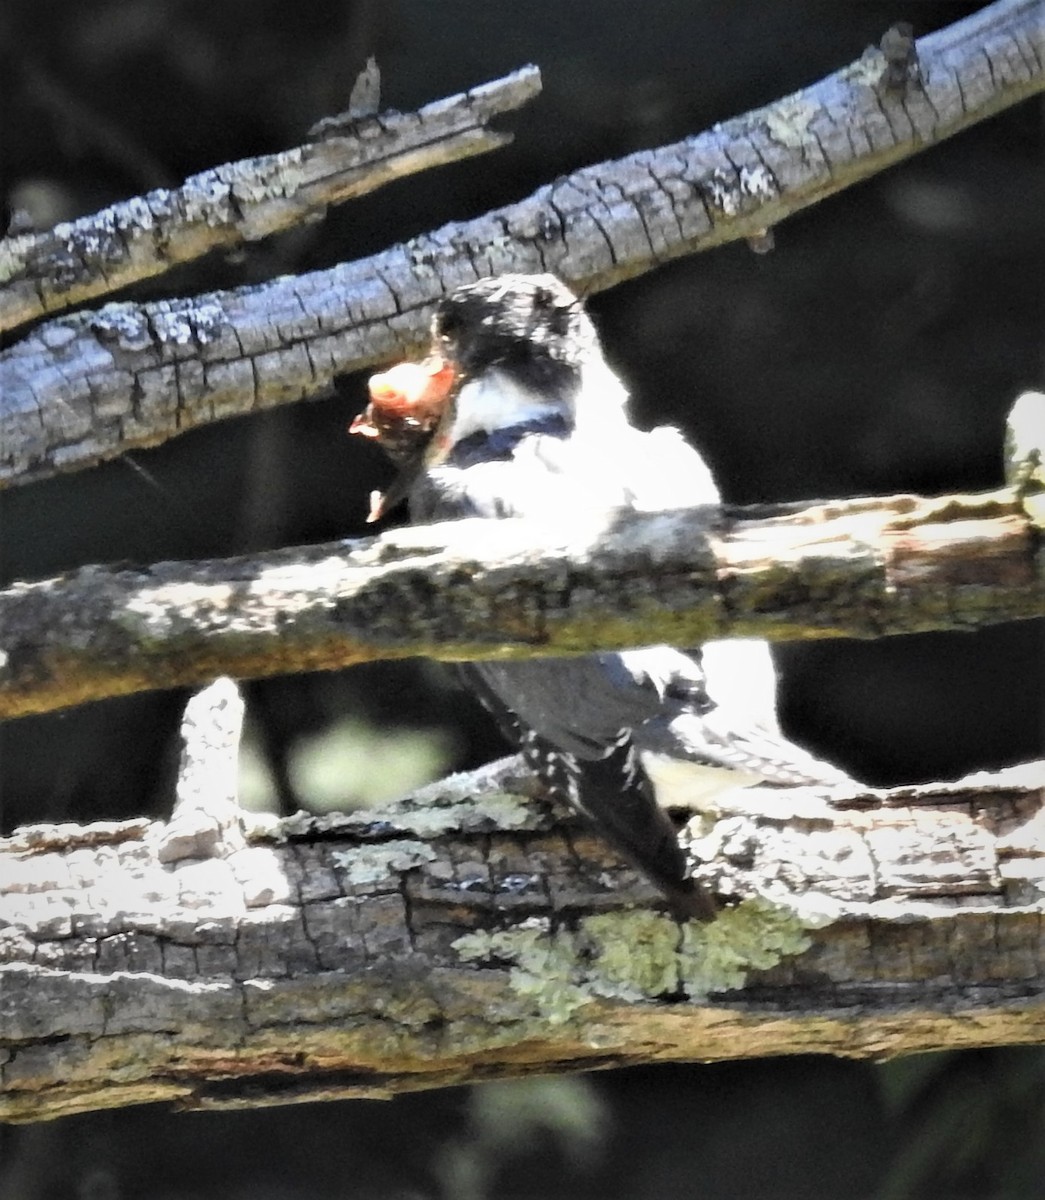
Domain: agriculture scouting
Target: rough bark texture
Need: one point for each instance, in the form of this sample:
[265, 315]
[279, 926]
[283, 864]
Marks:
[471, 589]
[467, 934]
[240, 202]
[89, 386]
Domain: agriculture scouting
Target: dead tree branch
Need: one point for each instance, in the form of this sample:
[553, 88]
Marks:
[473, 589]
[245, 201]
[465, 934]
[89, 386]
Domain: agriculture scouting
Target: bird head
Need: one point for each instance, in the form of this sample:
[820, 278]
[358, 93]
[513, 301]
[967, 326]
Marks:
[530, 327]
[505, 350]
[522, 348]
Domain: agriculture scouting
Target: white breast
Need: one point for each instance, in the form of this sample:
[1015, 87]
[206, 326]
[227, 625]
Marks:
[494, 401]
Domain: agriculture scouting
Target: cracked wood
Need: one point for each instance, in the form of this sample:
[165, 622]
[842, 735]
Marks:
[465, 934]
[90, 386]
[244, 201]
[479, 589]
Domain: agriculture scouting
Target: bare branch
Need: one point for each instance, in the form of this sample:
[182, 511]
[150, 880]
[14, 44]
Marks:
[245, 201]
[473, 589]
[206, 821]
[92, 385]
[465, 934]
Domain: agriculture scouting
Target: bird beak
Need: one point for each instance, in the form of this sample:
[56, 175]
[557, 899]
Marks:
[407, 403]
[383, 502]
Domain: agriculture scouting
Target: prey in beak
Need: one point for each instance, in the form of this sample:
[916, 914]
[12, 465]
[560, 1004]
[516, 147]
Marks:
[407, 402]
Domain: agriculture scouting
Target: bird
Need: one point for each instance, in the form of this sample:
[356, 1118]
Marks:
[521, 415]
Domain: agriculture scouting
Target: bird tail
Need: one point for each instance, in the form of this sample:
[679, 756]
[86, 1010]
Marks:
[614, 792]
[616, 795]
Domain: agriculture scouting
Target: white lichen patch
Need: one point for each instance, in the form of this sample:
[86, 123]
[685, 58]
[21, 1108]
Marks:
[721, 188]
[259, 873]
[122, 324]
[12, 256]
[1025, 442]
[209, 884]
[788, 120]
[288, 578]
[251, 188]
[364, 865]
[260, 825]
[205, 198]
[867, 69]
[161, 612]
[637, 956]
[757, 182]
[201, 323]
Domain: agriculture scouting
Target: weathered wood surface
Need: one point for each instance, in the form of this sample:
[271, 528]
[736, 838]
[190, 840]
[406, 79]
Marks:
[467, 934]
[88, 386]
[472, 589]
[240, 202]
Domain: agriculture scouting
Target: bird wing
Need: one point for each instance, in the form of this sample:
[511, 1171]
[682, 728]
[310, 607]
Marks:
[659, 696]
[732, 742]
[579, 705]
[575, 736]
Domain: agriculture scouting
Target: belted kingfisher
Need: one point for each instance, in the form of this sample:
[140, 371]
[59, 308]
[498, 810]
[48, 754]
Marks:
[516, 413]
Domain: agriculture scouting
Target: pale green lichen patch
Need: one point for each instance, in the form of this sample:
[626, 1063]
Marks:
[500, 809]
[637, 956]
[371, 864]
[429, 812]
[754, 936]
[462, 802]
[546, 965]
[633, 955]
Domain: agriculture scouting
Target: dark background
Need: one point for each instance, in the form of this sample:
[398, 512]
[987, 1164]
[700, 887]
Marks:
[877, 349]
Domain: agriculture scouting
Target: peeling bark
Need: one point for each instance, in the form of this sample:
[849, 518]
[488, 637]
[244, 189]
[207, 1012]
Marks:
[476, 589]
[465, 934]
[87, 387]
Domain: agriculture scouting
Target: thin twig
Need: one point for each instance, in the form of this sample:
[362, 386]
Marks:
[245, 201]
